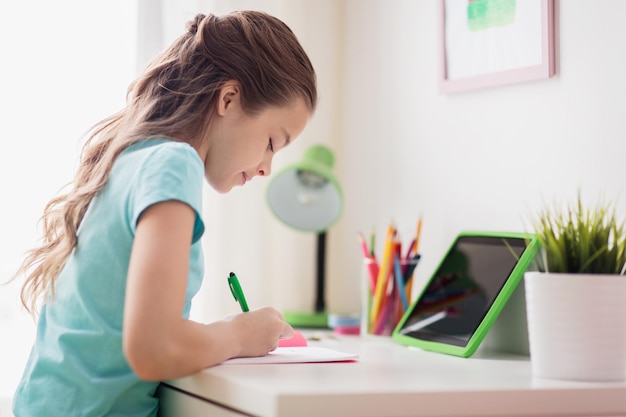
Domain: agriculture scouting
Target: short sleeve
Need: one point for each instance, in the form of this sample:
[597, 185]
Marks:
[172, 171]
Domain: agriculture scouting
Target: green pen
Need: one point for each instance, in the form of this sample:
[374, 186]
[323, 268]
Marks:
[235, 288]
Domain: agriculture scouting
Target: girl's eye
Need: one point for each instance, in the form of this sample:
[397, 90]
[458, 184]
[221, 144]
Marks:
[270, 145]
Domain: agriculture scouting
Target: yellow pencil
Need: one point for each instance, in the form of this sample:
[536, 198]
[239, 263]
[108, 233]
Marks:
[381, 281]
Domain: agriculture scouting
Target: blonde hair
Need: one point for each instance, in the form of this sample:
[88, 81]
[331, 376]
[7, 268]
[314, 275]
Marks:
[175, 97]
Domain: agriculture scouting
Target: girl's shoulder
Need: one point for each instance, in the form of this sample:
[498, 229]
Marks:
[158, 159]
[163, 153]
[162, 146]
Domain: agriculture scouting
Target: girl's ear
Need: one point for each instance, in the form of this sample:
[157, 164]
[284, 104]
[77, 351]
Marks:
[230, 94]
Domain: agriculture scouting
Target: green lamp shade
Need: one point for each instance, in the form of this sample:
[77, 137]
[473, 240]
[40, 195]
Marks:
[306, 195]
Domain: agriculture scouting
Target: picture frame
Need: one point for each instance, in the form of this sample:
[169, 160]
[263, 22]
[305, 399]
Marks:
[489, 43]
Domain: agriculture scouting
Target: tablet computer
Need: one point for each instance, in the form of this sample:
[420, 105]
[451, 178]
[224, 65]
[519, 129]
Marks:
[467, 291]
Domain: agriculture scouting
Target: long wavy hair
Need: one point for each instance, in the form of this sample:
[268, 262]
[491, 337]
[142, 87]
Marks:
[175, 97]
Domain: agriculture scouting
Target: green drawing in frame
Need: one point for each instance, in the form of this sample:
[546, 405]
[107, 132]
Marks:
[485, 14]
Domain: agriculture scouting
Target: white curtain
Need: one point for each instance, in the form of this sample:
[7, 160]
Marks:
[65, 65]
[276, 265]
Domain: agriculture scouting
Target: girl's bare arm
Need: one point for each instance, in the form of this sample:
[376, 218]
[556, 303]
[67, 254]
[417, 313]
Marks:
[158, 342]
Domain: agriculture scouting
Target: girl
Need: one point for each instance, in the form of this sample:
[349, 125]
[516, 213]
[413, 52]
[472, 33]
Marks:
[121, 258]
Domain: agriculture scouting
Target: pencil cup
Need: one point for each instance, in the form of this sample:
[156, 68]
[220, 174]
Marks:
[383, 303]
[369, 271]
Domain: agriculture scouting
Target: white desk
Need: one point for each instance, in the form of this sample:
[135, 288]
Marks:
[388, 380]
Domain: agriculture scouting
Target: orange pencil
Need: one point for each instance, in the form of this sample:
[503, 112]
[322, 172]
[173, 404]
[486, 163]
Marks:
[417, 234]
[409, 282]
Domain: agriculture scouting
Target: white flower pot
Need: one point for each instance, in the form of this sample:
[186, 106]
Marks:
[577, 326]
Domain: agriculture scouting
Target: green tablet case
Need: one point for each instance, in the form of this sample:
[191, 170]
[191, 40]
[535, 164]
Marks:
[467, 292]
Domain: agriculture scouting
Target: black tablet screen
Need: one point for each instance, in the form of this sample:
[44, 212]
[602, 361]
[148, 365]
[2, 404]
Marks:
[463, 289]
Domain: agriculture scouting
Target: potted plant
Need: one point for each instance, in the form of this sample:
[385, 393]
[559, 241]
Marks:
[576, 299]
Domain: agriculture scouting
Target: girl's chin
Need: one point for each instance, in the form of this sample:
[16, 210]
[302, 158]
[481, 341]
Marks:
[221, 188]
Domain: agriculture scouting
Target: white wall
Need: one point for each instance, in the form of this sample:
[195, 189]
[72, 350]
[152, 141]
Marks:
[480, 160]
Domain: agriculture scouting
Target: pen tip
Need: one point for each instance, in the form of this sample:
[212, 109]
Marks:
[232, 274]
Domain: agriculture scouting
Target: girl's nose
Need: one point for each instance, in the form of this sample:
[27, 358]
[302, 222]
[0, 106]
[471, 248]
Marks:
[265, 168]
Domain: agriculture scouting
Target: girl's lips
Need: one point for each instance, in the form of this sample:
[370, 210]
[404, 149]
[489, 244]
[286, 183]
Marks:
[245, 178]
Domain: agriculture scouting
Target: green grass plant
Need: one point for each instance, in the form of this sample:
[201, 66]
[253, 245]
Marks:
[579, 239]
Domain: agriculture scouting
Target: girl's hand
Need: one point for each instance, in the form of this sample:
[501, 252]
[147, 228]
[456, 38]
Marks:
[257, 332]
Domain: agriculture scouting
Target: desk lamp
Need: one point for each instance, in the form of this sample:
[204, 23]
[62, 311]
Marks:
[307, 197]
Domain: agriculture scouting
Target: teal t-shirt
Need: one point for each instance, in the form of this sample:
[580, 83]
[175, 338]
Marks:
[77, 366]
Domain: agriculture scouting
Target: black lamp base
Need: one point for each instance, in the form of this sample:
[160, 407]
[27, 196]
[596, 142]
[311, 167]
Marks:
[317, 318]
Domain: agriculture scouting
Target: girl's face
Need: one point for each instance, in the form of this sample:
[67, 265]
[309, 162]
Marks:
[239, 147]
